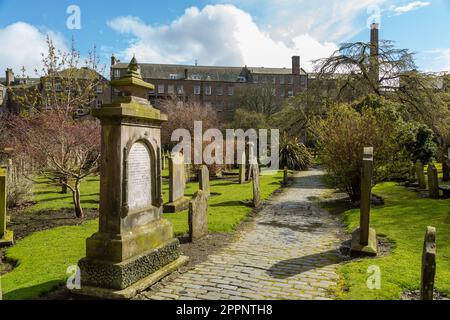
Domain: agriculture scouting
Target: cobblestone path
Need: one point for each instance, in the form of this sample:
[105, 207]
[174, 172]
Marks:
[289, 252]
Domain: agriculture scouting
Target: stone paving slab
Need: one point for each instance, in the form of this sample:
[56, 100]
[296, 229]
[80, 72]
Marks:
[289, 253]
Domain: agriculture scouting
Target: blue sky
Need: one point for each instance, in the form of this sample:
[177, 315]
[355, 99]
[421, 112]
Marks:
[235, 32]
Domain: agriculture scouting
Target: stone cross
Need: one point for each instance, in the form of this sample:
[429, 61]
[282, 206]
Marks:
[256, 186]
[433, 182]
[134, 246]
[198, 216]
[428, 265]
[243, 163]
[203, 180]
[420, 175]
[177, 183]
[364, 241]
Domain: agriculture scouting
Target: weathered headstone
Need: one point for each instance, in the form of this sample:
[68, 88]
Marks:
[433, 182]
[428, 265]
[242, 165]
[6, 236]
[446, 170]
[364, 239]
[256, 186]
[164, 161]
[203, 180]
[134, 247]
[198, 216]
[285, 176]
[177, 183]
[420, 175]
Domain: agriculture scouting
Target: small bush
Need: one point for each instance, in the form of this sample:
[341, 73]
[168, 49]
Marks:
[19, 191]
[293, 154]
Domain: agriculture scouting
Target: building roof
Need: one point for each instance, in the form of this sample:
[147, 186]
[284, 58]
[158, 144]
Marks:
[228, 74]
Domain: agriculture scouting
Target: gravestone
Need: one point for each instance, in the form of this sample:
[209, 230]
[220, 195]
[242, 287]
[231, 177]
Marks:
[134, 247]
[445, 170]
[285, 176]
[203, 180]
[433, 182]
[364, 239]
[256, 186]
[6, 236]
[164, 161]
[177, 182]
[428, 265]
[198, 216]
[242, 167]
[420, 175]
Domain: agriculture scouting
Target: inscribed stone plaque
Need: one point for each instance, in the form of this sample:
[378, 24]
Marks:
[176, 176]
[139, 177]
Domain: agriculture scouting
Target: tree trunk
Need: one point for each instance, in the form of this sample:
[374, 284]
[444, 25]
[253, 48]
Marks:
[64, 181]
[445, 170]
[77, 201]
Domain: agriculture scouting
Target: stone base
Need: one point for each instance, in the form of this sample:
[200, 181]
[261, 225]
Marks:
[359, 250]
[177, 206]
[136, 288]
[121, 275]
[7, 240]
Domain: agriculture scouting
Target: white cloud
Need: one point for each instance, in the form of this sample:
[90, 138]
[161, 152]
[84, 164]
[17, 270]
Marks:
[22, 45]
[441, 61]
[398, 10]
[325, 20]
[216, 35]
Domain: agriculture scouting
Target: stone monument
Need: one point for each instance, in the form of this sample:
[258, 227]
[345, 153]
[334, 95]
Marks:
[134, 247]
[203, 179]
[177, 183]
[364, 239]
[256, 186]
[428, 265]
[433, 181]
[420, 175]
[198, 216]
[6, 236]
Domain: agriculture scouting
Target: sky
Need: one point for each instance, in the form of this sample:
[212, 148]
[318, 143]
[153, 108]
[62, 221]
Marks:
[222, 33]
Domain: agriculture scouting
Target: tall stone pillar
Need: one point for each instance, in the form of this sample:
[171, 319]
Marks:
[6, 236]
[134, 247]
[364, 239]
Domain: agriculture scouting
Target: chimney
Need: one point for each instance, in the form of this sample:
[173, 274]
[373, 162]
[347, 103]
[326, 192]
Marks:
[186, 74]
[374, 39]
[9, 77]
[113, 60]
[296, 65]
[374, 51]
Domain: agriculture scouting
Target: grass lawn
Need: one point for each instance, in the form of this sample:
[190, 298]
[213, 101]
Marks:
[403, 220]
[43, 257]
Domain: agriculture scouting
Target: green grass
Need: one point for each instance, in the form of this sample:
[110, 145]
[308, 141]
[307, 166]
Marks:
[43, 257]
[403, 219]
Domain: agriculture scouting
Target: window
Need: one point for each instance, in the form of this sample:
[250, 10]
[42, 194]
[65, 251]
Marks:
[241, 79]
[180, 89]
[282, 92]
[58, 87]
[290, 93]
[274, 79]
[281, 80]
[303, 81]
[220, 106]
[171, 89]
[161, 88]
[197, 90]
[99, 103]
[255, 79]
[208, 90]
[99, 88]
[219, 90]
[231, 91]
[173, 77]
[290, 80]
[196, 77]
[116, 73]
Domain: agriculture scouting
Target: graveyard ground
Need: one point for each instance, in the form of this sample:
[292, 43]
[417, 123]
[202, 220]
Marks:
[402, 221]
[43, 257]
